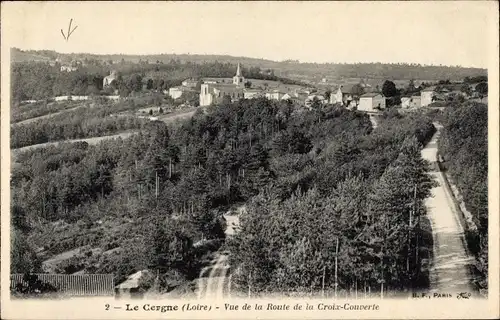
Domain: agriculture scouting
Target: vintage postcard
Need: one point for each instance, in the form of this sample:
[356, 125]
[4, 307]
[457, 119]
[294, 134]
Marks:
[244, 160]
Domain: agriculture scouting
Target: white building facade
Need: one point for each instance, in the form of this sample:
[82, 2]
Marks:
[371, 102]
[426, 96]
[410, 102]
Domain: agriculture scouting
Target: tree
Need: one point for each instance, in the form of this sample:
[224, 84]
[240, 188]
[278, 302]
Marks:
[482, 89]
[135, 83]
[328, 94]
[358, 90]
[389, 89]
[466, 88]
[226, 100]
[23, 257]
[168, 247]
[149, 84]
[248, 84]
[160, 111]
[123, 91]
[150, 112]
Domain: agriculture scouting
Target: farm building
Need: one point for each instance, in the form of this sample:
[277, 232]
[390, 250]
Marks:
[371, 102]
[426, 96]
[130, 288]
[410, 102]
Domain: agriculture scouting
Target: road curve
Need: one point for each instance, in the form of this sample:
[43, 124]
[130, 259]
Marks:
[214, 281]
[449, 272]
[212, 287]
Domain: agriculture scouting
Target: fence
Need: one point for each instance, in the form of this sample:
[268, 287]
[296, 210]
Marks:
[72, 285]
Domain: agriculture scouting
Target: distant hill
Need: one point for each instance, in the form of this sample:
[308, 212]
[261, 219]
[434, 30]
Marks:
[312, 72]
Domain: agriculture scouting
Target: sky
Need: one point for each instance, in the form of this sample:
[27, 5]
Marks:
[447, 33]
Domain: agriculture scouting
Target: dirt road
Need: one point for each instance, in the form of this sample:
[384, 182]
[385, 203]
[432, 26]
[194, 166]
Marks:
[449, 271]
[373, 120]
[214, 281]
[50, 115]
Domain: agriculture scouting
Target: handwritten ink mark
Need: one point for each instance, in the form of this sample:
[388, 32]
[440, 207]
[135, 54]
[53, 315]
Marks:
[70, 31]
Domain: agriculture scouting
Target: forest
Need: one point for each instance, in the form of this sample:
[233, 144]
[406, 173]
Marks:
[84, 122]
[313, 180]
[464, 148]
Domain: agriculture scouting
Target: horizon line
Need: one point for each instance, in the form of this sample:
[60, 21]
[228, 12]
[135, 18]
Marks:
[256, 58]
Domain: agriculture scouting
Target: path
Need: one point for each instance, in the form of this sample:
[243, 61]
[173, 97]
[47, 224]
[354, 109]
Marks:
[213, 286]
[174, 117]
[449, 271]
[215, 280]
[373, 120]
[49, 115]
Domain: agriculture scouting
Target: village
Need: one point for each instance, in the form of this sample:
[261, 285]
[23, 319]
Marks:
[359, 96]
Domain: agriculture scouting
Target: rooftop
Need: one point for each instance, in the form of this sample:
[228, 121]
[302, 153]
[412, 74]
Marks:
[226, 87]
[132, 281]
[429, 89]
[183, 88]
[371, 95]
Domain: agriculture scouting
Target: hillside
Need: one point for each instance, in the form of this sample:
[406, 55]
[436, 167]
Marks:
[289, 69]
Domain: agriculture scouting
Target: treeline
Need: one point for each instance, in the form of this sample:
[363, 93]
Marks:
[401, 71]
[464, 147]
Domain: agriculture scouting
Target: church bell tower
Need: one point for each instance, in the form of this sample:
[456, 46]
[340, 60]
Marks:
[238, 79]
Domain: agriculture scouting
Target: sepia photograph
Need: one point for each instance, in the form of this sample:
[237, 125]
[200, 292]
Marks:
[193, 158]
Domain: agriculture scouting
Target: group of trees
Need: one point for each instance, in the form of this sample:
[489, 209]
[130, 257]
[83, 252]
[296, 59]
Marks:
[162, 190]
[351, 220]
[80, 123]
[38, 80]
[464, 147]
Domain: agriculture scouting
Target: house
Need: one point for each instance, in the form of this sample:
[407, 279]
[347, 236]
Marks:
[106, 82]
[371, 102]
[130, 288]
[190, 83]
[410, 102]
[343, 95]
[115, 97]
[311, 98]
[177, 92]
[68, 68]
[275, 94]
[300, 95]
[427, 95]
[252, 93]
[215, 80]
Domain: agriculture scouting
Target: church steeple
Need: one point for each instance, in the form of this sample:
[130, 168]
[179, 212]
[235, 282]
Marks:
[238, 71]
[238, 78]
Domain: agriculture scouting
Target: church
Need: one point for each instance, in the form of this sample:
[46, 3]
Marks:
[213, 91]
